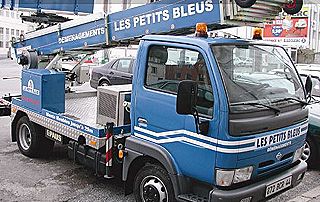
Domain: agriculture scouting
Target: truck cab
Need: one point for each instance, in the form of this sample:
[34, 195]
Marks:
[245, 136]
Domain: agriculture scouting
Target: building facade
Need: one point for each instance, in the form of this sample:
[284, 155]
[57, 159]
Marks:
[11, 26]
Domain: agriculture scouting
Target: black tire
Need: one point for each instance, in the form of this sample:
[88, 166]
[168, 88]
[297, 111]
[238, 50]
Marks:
[31, 140]
[104, 83]
[310, 153]
[245, 3]
[152, 184]
[294, 7]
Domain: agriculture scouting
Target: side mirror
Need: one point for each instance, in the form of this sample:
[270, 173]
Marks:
[308, 86]
[187, 97]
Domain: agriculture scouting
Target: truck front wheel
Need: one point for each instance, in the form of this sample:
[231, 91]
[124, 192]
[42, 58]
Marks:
[294, 7]
[152, 184]
[310, 153]
[31, 140]
[245, 3]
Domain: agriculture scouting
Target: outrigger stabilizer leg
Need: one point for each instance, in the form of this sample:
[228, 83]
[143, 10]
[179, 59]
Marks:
[109, 146]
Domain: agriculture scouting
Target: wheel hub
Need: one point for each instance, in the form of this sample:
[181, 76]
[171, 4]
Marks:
[306, 152]
[291, 4]
[25, 136]
[150, 193]
[153, 190]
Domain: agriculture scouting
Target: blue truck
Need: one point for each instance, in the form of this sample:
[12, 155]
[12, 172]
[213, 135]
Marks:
[195, 125]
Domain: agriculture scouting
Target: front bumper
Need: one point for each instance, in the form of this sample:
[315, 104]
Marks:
[258, 190]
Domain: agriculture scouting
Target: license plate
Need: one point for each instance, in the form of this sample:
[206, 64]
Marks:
[54, 136]
[278, 186]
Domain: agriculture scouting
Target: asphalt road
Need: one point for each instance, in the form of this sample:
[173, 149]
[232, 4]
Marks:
[59, 179]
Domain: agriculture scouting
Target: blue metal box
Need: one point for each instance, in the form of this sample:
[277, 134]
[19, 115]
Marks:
[43, 89]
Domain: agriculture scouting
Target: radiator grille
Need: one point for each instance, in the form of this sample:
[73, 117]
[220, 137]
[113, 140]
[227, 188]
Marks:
[107, 105]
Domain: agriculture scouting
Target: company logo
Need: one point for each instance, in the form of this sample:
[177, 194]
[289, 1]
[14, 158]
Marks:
[276, 30]
[82, 35]
[30, 88]
[279, 156]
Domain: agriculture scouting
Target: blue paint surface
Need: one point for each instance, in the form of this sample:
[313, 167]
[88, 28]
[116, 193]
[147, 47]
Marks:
[43, 89]
[74, 6]
[162, 17]
[82, 36]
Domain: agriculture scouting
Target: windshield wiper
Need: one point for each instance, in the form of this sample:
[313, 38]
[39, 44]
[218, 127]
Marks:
[314, 100]
[292, 98]
[275, 109]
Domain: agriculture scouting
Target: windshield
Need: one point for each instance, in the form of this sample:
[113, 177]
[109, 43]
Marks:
[257, 74]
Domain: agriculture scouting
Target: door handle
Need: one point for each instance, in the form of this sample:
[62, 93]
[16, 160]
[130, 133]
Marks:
[142, 121]
[111, 73]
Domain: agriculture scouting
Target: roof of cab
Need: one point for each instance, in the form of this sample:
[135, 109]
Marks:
[201, 41]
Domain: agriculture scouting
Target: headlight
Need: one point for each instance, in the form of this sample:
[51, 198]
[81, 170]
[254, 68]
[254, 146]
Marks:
[242, 174]
[227, 177]
[297, 154]
[224, 177]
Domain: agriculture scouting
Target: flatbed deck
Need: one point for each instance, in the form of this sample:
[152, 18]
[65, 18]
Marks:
[78, 120]
[82, 107]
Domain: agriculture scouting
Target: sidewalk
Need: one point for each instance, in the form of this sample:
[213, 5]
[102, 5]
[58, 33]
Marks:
[3, 56]
[310, 196]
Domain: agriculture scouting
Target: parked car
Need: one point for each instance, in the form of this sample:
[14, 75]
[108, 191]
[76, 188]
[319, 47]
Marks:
[308, 67]
[240, 61]
[115, 72]
[312, 147]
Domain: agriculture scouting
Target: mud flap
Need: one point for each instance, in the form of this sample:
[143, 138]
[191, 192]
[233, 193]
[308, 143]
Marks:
[5, 105]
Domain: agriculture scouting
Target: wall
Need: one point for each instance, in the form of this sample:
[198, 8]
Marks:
[314, 30]
[10, 26]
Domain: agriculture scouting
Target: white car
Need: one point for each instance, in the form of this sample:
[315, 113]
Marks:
[312, 147]
[308, 67]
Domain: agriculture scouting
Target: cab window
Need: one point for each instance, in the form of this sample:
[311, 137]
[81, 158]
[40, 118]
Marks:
[167, 66]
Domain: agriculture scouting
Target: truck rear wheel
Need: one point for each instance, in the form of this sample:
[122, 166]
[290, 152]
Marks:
[245, 3]
[152, 184]
[294, 7]
[31, 140]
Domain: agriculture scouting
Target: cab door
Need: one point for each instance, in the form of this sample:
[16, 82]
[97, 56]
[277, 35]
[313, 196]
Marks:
[155, 117]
